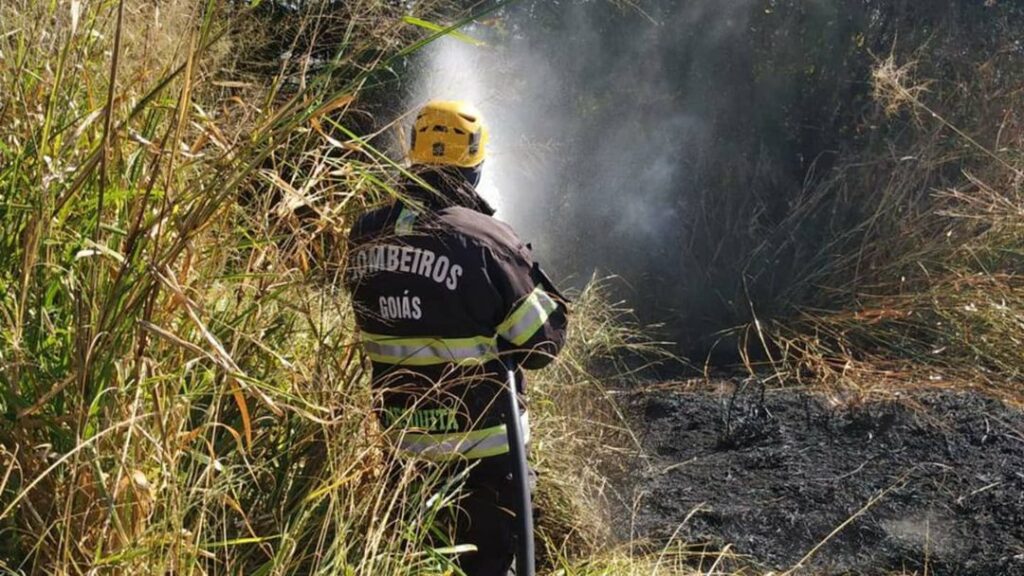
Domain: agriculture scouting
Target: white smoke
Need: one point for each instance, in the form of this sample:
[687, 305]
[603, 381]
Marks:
[602, 125]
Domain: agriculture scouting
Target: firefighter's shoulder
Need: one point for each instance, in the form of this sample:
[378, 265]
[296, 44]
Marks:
[481, 228]
[372, 223]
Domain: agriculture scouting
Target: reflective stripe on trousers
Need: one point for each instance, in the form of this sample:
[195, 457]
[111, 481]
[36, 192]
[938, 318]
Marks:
[471, 445]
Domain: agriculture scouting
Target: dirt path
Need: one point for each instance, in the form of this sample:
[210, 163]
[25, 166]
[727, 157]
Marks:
[936, 479]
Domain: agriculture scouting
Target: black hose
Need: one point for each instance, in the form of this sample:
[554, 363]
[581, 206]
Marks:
[525, 558]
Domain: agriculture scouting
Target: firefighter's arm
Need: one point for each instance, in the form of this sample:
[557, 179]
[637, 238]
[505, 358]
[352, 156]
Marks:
[533, 326]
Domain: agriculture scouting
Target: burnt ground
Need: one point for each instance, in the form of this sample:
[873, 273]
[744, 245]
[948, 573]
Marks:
[773, 473]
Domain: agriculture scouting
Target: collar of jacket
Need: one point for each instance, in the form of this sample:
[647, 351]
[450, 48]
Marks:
[448, 186]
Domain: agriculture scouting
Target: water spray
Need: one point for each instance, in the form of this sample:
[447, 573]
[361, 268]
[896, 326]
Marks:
[450, 73]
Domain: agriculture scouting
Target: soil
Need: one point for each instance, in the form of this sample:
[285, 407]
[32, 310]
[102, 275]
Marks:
[931, 482]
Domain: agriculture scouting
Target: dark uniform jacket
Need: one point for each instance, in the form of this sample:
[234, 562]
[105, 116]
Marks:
[444, 296]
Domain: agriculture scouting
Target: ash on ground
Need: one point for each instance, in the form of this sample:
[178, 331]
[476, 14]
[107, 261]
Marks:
[934, 481]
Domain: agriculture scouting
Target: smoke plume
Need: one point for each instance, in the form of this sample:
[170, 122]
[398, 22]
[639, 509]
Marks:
[656, 141]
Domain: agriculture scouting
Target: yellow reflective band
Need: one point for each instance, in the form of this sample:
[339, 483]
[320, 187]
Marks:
[406, 218]
[430, 351]
[528, 317]
[473, 445]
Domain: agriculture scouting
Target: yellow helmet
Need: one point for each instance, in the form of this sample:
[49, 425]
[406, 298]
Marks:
[448, 133]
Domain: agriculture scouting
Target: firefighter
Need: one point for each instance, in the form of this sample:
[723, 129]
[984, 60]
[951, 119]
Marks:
[443, 295]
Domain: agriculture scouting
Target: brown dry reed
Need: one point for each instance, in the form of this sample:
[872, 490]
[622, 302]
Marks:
[925, 287]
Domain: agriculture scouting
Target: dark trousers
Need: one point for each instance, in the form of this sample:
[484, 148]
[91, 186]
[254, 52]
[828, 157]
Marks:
[484, 515]
[486, 518]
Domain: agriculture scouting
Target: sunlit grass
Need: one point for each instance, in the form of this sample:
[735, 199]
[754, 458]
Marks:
[181, 387]
[924, 288]
[180, 396]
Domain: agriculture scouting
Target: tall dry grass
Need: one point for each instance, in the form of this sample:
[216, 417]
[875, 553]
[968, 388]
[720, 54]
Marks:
[174, 387]
[179, 381]
[921, 281]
